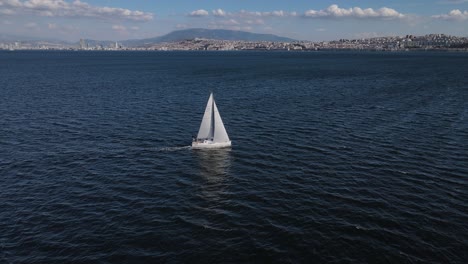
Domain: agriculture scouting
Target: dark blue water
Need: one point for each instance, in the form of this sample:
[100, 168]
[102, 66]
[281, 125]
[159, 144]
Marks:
[336, 157]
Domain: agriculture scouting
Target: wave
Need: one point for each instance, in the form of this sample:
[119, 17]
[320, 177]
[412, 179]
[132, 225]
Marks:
[162, 149]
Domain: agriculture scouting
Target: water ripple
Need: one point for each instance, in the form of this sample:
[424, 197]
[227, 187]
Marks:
[335, 158]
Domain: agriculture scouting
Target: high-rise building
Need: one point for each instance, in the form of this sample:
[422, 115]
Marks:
[83, 44]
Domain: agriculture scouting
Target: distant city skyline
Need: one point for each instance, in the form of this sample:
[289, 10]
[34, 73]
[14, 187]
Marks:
[72, 20]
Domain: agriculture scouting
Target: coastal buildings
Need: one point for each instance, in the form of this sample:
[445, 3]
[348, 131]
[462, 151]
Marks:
[391, 43]
[83, 44]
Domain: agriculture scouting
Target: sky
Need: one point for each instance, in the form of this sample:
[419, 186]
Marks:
[311, 20]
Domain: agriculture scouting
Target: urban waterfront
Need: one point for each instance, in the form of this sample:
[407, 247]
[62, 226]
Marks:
[394, 43]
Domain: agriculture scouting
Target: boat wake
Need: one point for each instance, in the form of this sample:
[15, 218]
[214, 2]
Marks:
[173, 148]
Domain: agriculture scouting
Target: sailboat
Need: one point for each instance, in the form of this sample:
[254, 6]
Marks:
[212, 133]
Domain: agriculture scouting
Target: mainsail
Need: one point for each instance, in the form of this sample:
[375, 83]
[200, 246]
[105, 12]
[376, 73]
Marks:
[206, 127]
[212, 127]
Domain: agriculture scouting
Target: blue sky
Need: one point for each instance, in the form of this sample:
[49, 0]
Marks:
[304, 20]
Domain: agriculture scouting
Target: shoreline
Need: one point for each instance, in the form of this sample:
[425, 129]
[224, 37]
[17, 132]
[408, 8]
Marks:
[242, 50]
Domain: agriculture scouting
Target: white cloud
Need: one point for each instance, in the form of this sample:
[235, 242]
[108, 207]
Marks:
[334, 11]
[119, 28]
[453, 2]
[7, 11]
[244, 13]
[455, 14]
[65, 30]
[230, 22]
[199, 13]
[219, 12]
[11, 3]
[62, 8]
[366, 35]
[42, 4]
[276, 13]
[257, 21]
[238, 28]
[31, 25]
[280, 13]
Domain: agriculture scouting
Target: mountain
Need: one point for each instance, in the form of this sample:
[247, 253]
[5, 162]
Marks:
[175, 36]
[220, 34]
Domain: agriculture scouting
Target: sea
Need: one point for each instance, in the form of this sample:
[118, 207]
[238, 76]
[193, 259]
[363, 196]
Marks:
[337, 157]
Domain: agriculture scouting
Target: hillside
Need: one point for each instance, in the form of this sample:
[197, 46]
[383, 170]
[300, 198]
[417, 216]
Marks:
[219, 34]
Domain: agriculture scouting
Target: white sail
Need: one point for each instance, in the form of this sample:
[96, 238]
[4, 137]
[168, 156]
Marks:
[212, 133]
[206, 127]
[220, 134]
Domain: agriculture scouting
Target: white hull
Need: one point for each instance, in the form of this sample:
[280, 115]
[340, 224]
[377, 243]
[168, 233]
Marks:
[210, 145]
